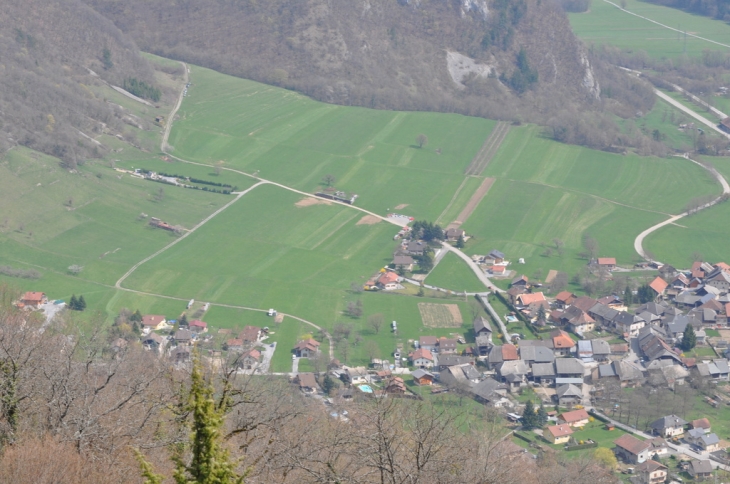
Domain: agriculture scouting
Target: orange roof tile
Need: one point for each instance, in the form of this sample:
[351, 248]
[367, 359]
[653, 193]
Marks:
[606, 261]
[388, 278]
[33, 297]
[152, 320]
[527, 299]
[560, 430]
[509, 352]
[563, 340]
[574, 416]
[421, 353]
[659, 285]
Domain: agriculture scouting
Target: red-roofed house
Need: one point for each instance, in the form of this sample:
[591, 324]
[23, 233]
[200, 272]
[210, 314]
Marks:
[509, 352]
[34, 299]
[631, 449]
[701, 423]
[575, 418]
[389, 281]
[235, 345]
[527, 299]
[250, 359]
[198, 326]
[608, 263]
[564, 299]
[421, 358]
[557, 434]
[562, 342]
[498, 270]
[307, 348]
[723, 266]
[659, 285]
[154, 321]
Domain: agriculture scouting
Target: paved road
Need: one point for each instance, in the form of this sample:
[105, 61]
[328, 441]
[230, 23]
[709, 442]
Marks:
[474, 267]
[687, 110]
[502, 328]
[639, 241]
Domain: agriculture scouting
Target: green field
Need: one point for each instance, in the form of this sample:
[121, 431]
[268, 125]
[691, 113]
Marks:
[606, 24]
[288, 138]
[452, 273]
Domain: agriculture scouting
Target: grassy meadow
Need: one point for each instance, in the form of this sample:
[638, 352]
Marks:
[290, 139]
[606, 24]
[452, 273]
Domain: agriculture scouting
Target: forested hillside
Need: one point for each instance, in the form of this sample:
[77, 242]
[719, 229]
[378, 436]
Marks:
[515, 60]
[48, 47]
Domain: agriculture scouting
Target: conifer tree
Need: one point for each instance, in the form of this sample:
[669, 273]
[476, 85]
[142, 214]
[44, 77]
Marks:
[460, 242]
[542, 416]
[81, 304]
[689, 339]
[529, 417]
[73, 304]
[628, 296]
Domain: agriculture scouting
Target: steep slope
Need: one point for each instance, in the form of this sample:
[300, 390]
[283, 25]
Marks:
[46, 100]
[514, 60]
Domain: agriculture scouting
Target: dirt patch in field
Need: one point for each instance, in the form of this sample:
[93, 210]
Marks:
[473, 203]
[309, 201]
[401, 206]
[278, 318]
[440, 315]
[368, 220]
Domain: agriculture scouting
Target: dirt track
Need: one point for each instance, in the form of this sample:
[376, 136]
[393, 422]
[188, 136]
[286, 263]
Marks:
[488, 149]
[473, 203]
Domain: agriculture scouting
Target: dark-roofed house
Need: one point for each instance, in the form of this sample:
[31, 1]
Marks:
[453, 234]
[482, 326]
[183, 336]
[488, 391]
[629, 373]
[520, 281]
[395, 385]
[569, 368]
[416, 247]
[709, 443]
[307, 382]
[250, 359]
[627, 323]
[496, 256]
[429, 343]
[568, 395]
[603, 314]
[668, 426]
[181, 354]
[601, 349]
[514, 373]
[536, 354]
[153, 341]
[716, 369]
[422, 377]
[460, 375]
[445, 361]
[447, 345]
[543, 373]
[700, 469]
[483, 343]
[651, 472]
[631, 450]
[404, 262]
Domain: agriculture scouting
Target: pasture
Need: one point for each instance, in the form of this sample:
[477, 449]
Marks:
[440, 315]
[452, 273]
[290, 139]
[606, 24]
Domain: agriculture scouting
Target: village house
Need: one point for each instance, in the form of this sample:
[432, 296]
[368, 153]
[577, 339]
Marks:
[457, 375]
[489, 391]
[557, 434]
[453, 234]
[659, 286]
[234, 345]
[669, 426]
[183, 336]
[403, 262]
[307, 348]
[658, 447]
[250, 335]
[307, 383]
[429, 343]
[154, 322]
[700, 470]
[536, 354]
[250, 359]
[483, 333]
[497, 270]
[628, 324]
[514, 373]
[499, 354]
[496, 256]
[525, 300]
[389, 281]
[357, 375]
[396, 385]
[568, 395]
[562, 342]
[153, 342]
[422, 377]
[569, 368]
[716, 369]
[564, 299]
[445, 361]
[631, 450]
[651, 472]
[33, 300]
[521, 281]
[421, 358]
[708, 443]
[701, 423]
[446, 346]
[198, 326]
[416, 247]
[574, 418]
[543, 373]
[180, 355]
[607, 263]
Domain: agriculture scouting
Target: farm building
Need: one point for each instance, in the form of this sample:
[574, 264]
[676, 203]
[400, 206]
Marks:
[154, 321]
[33, 299]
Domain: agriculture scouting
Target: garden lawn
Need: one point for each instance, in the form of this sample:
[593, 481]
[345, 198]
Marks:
[606, 24]
[453, 274]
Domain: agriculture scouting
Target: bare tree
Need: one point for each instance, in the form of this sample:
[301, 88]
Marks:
[421, 140]
[328, 180]
[559, 246]
[376, 321]
[75, 269]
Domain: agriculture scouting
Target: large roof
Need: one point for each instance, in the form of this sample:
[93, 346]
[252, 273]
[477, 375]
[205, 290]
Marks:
[574, 416]
[543, 370]
[659, 285]
[632, 444]
[562, 340]
[481, 324]
[421, 353]
[538, 354]
[569, 390]
[667, 422]
[560, 430]
[569, 366]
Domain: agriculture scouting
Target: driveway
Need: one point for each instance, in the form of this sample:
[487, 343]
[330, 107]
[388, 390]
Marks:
[267, 353]
[294, 366]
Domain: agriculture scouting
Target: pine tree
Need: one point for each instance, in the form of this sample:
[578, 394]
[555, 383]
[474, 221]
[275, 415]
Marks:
[137, 316]
[73, 304]
[689, 339]
[529, 417]
[542, 416]
[184, 320]
[628, 296]
[210, 462]
[541, 314]
[460, 242]
[81, 303]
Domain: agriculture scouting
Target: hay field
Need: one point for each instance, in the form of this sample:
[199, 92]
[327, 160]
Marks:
[293, 140]
[605, 24]
[440, 315]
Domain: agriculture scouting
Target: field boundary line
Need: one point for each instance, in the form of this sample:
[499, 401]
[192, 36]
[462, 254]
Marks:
[473, 202]
[639, 241]
[667, 26]
[488, 149]
[453, 199]
[118, 284]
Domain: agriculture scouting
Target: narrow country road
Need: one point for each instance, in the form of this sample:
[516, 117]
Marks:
[639, 241]
[687, 110]
[473, 266]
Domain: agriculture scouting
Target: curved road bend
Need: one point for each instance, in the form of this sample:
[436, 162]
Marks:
[639, 241]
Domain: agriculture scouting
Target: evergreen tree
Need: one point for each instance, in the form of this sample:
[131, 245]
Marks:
[542, 416]
[529, 417]
[628, 296]
[541, 314]
[184, 320]
[81, 303]
[689, 339]
[210, 462]
[73, 304]
[328, 384]
[460, 242]
[136, 316]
